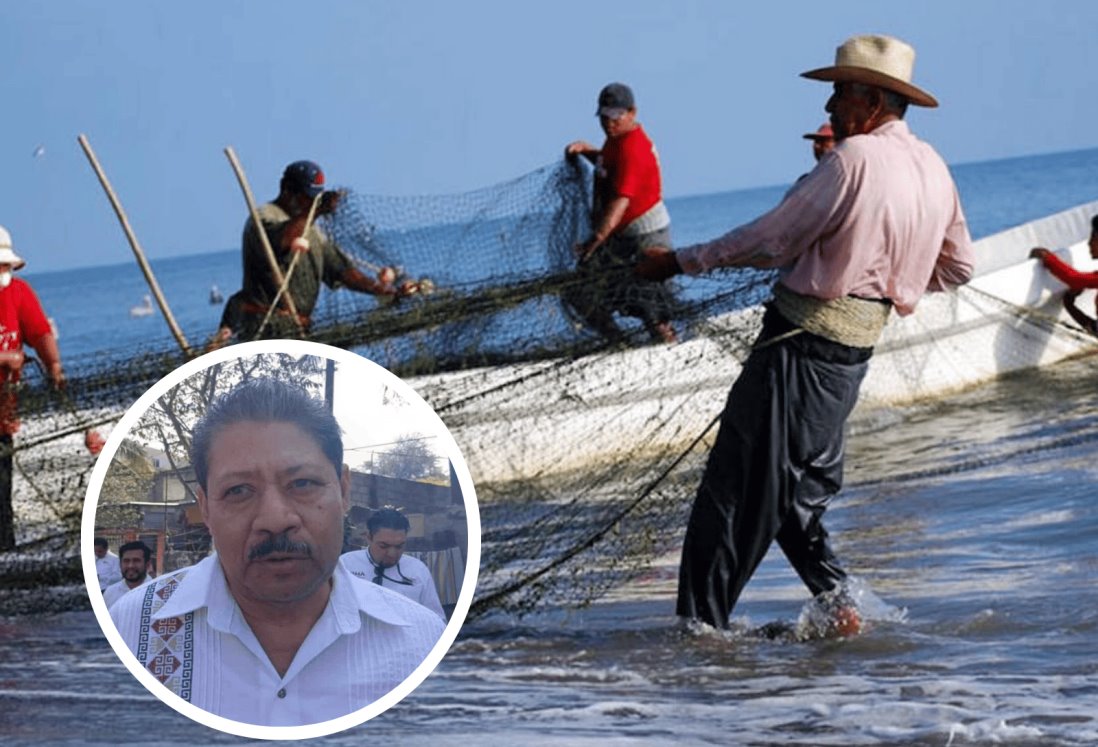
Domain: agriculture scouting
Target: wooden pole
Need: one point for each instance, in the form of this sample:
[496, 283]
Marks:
[144, 264]
[276, 272]
[289, 270]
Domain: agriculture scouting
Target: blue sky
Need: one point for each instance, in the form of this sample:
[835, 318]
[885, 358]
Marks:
[437, 96]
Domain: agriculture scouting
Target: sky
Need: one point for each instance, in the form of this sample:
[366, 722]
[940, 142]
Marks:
[436, 97]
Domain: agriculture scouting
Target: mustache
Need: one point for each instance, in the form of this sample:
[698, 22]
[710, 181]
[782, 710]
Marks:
[279, 543]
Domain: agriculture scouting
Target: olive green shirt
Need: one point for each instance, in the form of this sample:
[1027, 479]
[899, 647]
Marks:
[323, 263]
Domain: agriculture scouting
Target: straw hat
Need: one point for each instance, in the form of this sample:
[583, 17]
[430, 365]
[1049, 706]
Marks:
[7, 256]
[881, 61]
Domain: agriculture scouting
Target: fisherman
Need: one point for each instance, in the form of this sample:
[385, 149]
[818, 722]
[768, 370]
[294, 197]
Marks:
[320, 261]
[21, 321]
[823, 140]
[1076, 281]
[871, 228]
[628, 215]
[272, 629]
[133, 562]
[384, 562]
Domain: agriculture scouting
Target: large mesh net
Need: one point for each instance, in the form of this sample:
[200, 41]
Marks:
[585, 449]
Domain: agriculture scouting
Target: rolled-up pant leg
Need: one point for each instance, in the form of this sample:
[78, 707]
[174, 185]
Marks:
[776, 463]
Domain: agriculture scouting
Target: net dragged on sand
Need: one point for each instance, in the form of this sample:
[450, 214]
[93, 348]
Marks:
[500, 356]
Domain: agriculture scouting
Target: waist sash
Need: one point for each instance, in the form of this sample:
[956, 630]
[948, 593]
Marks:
[852, 321]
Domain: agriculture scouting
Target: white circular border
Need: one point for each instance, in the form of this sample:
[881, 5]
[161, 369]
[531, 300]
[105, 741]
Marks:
[146, 678]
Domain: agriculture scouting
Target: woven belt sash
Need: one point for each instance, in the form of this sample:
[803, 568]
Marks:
[856, 322]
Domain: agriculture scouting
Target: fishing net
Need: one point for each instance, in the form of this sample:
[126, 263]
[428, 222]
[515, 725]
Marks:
[585, 449]
[537, 399]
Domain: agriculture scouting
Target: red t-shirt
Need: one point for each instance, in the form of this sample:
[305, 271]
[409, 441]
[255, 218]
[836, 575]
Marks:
[628, 166]
[21, 321]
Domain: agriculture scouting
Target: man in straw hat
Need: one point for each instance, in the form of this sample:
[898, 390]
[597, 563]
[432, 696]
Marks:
[871, 228]
[21, 321]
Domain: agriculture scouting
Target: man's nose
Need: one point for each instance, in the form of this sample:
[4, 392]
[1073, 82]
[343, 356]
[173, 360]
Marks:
[276, 512]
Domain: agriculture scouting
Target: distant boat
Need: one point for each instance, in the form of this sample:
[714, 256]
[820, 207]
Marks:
[144, 309]
[215, 295]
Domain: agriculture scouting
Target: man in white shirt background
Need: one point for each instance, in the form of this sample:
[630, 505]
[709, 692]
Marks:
[271, 629]
[133, 560]
[106, 564]
[384, 563]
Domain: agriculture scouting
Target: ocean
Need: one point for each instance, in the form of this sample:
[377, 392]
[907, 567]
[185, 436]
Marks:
[970, 520]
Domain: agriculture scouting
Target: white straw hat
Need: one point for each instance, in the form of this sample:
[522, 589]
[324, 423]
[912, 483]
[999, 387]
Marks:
[7, 256]
[881, 61]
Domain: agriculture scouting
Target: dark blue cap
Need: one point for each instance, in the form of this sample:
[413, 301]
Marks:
[614, 100]
[303, 177]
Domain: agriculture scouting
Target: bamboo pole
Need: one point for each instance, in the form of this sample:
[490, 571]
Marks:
[141, 261]
[276, 272]
[289, 270]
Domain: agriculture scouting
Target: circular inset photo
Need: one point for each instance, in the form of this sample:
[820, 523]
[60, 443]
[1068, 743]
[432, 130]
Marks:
[281, 539]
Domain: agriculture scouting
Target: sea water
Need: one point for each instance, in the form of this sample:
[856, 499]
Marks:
[973, 519]
[91, 306]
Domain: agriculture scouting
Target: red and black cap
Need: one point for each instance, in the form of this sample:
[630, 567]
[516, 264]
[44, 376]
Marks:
[303, 177]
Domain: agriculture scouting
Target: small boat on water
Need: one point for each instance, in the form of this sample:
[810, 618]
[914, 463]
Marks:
[215, 295]
[145, 308]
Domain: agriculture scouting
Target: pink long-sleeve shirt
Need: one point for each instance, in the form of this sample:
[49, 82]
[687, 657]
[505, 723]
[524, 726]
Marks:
[879, 217]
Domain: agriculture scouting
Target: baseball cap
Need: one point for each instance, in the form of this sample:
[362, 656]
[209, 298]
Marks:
[614, 100]
[303, 177]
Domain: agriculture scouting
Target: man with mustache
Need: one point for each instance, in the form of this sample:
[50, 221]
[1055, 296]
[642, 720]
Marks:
[270, 629]
[133, 560]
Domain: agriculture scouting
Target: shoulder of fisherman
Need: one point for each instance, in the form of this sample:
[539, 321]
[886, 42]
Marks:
[879, 217]
[22, 322]
[323, 262]
[22, 319]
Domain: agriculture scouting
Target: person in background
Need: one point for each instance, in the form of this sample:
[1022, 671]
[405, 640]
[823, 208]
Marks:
[628, 215]
[874, 226]
[271, 629]
[823, 140]
[106, 564]
[384, 562]
[22, 321]
[321, 261]
[1076, 281]
[133, 561]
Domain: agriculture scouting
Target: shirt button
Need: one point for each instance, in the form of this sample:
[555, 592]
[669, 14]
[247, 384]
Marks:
[282, 693]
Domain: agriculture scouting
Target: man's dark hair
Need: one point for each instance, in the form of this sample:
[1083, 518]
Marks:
[388, 518]
[1094, 224]
[100, 542]
[267, 401]
[136, 545]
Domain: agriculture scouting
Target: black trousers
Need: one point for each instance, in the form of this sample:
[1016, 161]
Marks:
[7, 514]
[776, 463]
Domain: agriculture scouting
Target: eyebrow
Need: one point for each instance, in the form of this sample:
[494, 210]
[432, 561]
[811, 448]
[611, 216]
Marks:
[243, 474]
